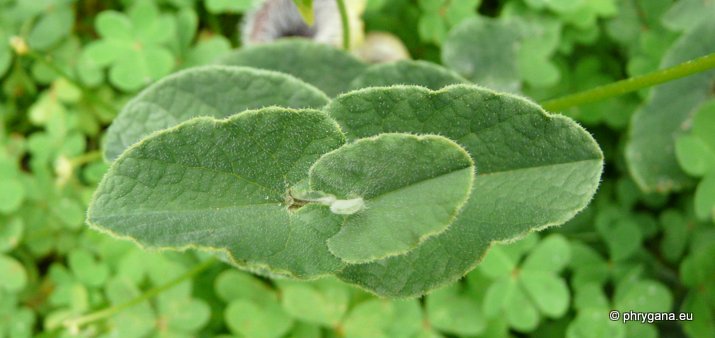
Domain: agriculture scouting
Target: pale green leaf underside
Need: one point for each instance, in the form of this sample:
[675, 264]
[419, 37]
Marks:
[221, 184]
[328, 68]
[650, 152]
[216, 91]
[535, 170]
[407, 72]
[413, 187]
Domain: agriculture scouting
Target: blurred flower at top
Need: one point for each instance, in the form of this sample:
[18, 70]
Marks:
[275, 19]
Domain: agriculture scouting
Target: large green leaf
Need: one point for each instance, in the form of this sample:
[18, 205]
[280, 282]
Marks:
[409, 188]
[323, 66]
[535, 170]
[407, 72]
[217, 91]
[222, 185]
[650, 152]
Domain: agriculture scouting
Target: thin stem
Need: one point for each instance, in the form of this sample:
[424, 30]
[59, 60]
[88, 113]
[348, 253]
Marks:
[74, 324]
[86, 158]
[684, 69]
[346, 24]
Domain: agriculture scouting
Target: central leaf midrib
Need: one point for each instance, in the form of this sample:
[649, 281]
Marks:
[422, 181]
[395, 191]
[234, 174]
[476, 133]
[533, 167]
[186, 211]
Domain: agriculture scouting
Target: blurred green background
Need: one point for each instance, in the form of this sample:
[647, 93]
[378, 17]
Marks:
[630, 250]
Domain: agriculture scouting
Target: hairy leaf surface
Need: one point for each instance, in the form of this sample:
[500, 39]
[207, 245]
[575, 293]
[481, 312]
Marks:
[412, 188]
[216, 91]
[407, 72]
[535, 170]
[222, 185]
[323, 66]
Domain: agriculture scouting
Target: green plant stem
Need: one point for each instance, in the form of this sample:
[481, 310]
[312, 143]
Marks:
[346, 24]
[684, 69]
[110, 311]
[86, 158]
[85, 90]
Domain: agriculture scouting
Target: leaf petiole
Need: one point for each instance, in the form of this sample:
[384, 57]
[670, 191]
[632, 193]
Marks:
[346, 24]
[74, 324]
[339, 207]
[635, 83]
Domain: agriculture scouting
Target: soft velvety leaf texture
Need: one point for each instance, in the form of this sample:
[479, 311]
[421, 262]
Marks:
[650, 152]
[412, 188]
[323, 66]
[217, 91]
[535, 170]
[407, 72]
[222, 185]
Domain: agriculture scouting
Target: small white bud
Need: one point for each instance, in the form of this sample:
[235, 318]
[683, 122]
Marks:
[347, 207]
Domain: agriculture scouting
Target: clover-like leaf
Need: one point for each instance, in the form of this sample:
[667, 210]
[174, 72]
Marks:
[502, 53]
[260, 320]
[12, 192]
[53, 25]
[411, 188]
[136, 323]
[322, 302]
[705, 197]
[223, 185]
[696, 155]
[551, 254]
[14, 274]
[650, 152]
[620, 232]
[407, 72]
[184, 315]
[328, 68]
[438, 16]
[548, 292]
[232, 284]
[453, 311]
[535, 170]
[132, 45]
[86, 270]
[644, 296]
[534, 287]
[11, 234]
[591, 323]
[217, 91]
[381, 319]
